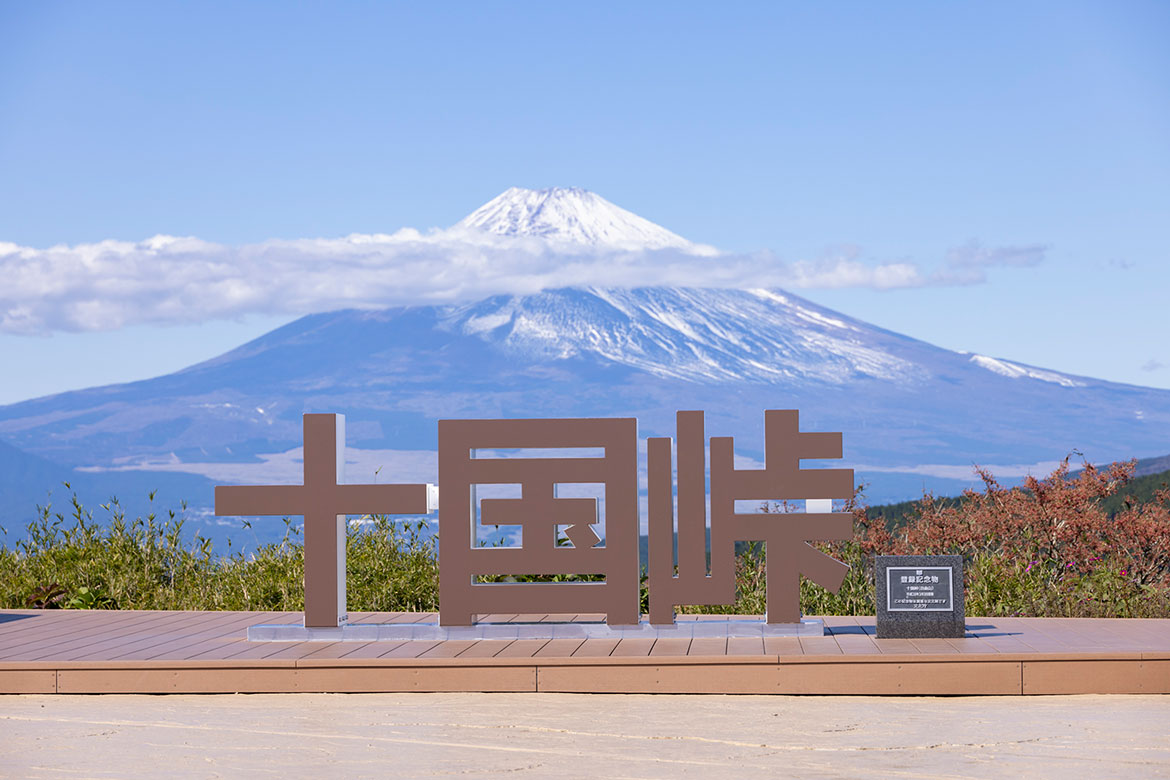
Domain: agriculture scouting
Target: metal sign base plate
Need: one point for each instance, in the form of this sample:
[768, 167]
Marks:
[386, 632]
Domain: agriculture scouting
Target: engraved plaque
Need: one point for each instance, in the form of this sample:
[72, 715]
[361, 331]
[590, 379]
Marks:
[914, 589]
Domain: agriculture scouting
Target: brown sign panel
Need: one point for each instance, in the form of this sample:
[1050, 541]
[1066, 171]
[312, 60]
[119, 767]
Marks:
[324, 502]
[538, 511]
[786, 535]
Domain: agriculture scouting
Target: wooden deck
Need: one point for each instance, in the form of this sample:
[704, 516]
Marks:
[73, 651]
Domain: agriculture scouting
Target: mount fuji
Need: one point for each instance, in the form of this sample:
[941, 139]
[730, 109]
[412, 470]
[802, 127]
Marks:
[571, 215]
[913, 415]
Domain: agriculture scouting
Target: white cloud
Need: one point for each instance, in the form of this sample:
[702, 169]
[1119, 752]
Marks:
[968, 264]
[169, 280]
[845, 271]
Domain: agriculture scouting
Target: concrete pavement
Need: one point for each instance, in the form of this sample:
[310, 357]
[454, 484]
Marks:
[582, 736]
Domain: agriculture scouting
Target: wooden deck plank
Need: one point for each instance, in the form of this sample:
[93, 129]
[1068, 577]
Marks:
[449, 649]
[897, 646]
[103, 645]
[1000, 634]
[253, 650]
[341, 650]
[671, 645]
[28, 681]
[411, 649]
[1042, 643]
[298, 650]
[820, 645]
[1007, 645]
[632, 647]
[902, 678]
[708, 645]
[212, 632]
[371, 650]
[1096, 676]
[937, 646]
[745, 645]
[52, 622]
[208, 649]
[971, 645]
[1048, 635]
[406, 617]
[643, 678]
[559, 648]
[595, 648]
[217, 646]
[856, 644]
[230, 644]
[19, 621]
[842, 624]
[108, 651]
[12, 620]
[559, 617]
[1138, 633]
[523, 648]
[486, 648]
[90, 629]
[783, 645]
[590, 617]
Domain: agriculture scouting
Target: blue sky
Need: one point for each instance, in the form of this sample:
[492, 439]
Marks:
[938, 135]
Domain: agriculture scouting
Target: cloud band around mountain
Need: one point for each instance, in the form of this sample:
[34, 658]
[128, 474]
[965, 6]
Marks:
[168, 280]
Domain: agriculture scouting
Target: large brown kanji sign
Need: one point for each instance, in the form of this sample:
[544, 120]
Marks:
[475, 453]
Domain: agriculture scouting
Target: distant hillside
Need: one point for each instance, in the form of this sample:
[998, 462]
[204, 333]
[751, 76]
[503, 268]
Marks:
[1150, 466]
[1150, 474]
[29, 482]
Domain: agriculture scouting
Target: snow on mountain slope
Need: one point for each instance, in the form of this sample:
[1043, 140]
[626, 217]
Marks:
[695, 335]
[1017, 371]
[574, 216]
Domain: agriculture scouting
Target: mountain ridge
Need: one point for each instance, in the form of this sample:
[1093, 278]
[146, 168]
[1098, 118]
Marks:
[536, 342]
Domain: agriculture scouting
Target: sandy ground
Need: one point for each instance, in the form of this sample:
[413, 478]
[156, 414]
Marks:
[582, 736]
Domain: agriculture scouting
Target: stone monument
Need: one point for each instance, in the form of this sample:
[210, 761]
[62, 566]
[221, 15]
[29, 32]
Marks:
[919, 596]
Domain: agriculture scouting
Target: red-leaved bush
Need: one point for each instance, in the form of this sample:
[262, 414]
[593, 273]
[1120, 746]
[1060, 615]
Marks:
[1045, 546]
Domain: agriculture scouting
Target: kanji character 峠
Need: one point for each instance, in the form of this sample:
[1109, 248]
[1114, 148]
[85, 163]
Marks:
[786, 534]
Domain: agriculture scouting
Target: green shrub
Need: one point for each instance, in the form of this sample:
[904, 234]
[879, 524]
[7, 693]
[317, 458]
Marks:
[75, 562]
[1047, 549]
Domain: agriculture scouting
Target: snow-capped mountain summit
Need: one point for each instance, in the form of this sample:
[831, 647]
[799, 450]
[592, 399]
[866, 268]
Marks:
[574, 216]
